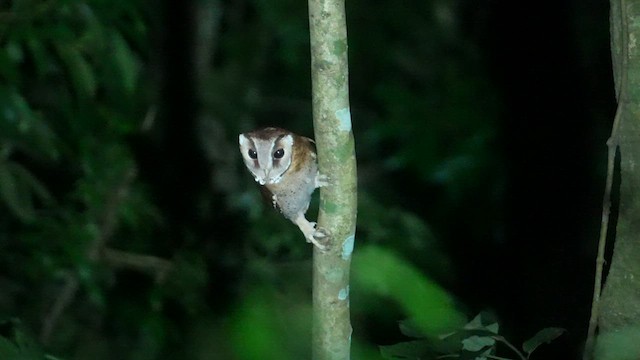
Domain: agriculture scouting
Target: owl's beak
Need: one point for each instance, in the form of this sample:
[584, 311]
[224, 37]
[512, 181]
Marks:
[265, 177]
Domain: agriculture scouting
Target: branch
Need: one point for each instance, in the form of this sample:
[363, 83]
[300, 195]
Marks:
[612, 147]
[154, 265]
[65, 297]
[602, 242]
[336, 157]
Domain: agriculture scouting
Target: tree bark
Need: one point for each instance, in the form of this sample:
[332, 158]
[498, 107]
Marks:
[620, 303]
[336, 157]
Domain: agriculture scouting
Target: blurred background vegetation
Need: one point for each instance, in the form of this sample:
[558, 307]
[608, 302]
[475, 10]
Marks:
[129, 228]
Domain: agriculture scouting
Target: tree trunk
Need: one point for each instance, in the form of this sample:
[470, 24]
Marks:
[620, 304]
[336, 157]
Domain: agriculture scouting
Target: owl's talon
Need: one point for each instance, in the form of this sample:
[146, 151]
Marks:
[322, 180]
[320, 233]
[320, 246]
[321, 239]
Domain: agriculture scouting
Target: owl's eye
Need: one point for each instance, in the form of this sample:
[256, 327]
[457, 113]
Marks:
[278, 154]
[253, 154]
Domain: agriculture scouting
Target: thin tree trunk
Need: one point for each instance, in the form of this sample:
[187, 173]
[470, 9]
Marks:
[336, 157]
[619, 306]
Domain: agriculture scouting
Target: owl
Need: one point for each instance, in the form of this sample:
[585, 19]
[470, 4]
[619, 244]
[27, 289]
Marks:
[285, 166]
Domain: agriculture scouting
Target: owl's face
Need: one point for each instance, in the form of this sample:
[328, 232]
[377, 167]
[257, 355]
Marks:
[267, 153]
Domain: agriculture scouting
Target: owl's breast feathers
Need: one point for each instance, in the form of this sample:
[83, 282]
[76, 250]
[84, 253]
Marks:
[291, 195]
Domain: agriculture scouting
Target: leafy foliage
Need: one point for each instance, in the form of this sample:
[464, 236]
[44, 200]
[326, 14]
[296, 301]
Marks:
[477, 340]
[71, 75]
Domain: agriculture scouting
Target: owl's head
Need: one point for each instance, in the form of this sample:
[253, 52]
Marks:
[267, 153]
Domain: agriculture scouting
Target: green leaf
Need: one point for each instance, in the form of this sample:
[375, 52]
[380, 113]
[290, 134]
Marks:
[79, 70]
[13, 193]
[126, 62]
[41, 139]
[545, 335]
[8, 68]
[493, 327]
[484, 355]
[483, 321]
[18, 188]
[21, 112]
[39, 54]
[418, 349]
[477, 343]
[475, 323]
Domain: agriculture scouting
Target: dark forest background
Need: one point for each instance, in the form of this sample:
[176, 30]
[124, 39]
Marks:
[129, 228]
